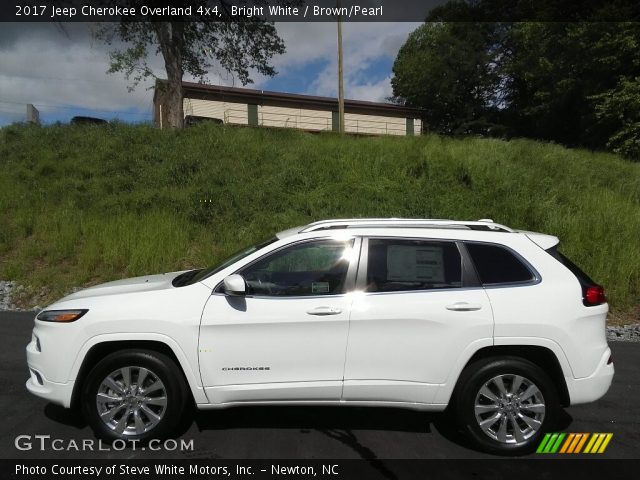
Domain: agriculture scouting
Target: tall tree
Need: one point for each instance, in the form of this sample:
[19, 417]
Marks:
[558, 73]
[447, 70]
[563, 81]
[618, 112]
[192, 45]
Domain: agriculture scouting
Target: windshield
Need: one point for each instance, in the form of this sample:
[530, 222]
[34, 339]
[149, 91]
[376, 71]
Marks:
[193, 276]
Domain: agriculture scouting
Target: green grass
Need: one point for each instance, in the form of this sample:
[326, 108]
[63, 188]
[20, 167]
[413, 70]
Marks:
[81, 205]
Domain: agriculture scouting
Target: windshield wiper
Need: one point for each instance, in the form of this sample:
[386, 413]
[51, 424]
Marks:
[182, 279]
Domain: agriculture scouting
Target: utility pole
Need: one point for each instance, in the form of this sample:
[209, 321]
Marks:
[340, 74]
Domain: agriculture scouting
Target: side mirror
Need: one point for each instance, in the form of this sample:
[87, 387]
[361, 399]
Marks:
[234, 285]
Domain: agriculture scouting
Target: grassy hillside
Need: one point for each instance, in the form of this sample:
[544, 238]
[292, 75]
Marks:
[81, 205]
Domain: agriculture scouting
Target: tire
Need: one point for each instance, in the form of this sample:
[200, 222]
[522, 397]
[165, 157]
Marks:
[506, 423]
[117, 407]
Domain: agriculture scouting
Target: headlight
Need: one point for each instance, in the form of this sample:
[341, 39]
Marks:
[60, 315]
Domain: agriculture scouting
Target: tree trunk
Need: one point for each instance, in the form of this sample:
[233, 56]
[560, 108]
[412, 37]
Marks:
[171, 40]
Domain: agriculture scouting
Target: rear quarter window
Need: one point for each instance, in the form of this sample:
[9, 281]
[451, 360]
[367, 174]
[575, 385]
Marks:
[582, 277]
[498, 265]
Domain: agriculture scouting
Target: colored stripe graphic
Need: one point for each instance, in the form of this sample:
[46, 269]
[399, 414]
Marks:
[598, 443]
[581, 442]
[608, 438]
[578, 437]
[567, 443]
[543, 443]
[573, 443]
[592, 440]
[550, 443]
[556, 446]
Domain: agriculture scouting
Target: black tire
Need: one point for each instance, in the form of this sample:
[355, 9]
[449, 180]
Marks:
[475, 376]
[159, 367]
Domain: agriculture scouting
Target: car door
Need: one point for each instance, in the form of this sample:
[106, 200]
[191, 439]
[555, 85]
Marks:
[415, 316]
[284, 340]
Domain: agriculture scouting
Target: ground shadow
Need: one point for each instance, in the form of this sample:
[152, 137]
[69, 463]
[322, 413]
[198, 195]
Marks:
[337, 423]
[71, 417]
[315, 418]
[340, 422]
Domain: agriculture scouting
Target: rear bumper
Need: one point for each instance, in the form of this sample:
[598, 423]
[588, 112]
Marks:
[593, 387]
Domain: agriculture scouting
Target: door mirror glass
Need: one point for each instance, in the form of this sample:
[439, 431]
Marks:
[234, 285]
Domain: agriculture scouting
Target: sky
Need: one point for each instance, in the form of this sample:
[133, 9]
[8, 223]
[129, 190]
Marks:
[62, 70]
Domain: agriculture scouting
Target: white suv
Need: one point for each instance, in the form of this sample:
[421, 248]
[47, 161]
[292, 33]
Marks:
[491, 322]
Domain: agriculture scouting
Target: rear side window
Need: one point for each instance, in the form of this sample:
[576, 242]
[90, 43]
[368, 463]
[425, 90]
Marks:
[497, 265]
[399, 265]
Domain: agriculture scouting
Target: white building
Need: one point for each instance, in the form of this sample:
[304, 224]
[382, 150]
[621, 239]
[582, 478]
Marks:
[243, 106]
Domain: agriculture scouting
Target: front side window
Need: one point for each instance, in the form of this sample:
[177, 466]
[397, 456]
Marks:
[399, 265]
[498, 265]
[312, 268]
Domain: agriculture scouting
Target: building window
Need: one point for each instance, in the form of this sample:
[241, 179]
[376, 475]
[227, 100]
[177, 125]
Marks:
[253, 115]
[410, 128]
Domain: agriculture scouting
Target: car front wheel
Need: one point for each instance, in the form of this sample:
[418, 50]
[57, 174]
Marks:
[134, 395]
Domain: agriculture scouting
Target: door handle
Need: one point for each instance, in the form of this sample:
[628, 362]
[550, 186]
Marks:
[324, 311]
[464, 307]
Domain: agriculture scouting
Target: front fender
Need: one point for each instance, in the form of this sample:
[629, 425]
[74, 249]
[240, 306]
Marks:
[190, 373]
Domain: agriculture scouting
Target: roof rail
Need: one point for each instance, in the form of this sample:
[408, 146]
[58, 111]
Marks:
[483, 224]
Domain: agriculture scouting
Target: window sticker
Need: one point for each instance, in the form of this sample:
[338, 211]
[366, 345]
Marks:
[415, 263]
[320, 287]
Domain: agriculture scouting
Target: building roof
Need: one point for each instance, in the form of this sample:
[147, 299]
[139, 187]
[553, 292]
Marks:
[292, 100]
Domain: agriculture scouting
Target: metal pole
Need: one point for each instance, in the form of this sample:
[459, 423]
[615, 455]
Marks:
[340, 74]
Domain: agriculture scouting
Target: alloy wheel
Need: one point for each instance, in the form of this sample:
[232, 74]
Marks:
[131, 400]
[509, 409]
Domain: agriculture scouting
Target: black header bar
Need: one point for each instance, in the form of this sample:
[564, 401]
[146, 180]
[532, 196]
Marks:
[318, 10]
[494, 469]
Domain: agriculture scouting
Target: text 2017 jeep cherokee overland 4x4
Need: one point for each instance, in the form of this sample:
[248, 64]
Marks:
[423, 314]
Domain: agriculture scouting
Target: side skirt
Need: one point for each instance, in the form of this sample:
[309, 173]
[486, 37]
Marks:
[326, 403]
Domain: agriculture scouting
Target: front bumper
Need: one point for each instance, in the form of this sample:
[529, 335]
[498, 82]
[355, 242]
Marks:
[593, 387]
[58, 393]
[38, 384]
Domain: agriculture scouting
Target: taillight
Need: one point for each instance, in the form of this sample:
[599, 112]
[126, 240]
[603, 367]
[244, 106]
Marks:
[594, 295]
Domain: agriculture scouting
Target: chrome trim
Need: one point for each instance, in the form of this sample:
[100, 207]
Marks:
[432, 290]
[361, 280]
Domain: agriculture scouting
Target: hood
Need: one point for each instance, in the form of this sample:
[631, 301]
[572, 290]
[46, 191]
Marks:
[128, 285]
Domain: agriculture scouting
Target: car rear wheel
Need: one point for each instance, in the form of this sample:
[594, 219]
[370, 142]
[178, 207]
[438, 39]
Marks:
[134, 395]
[505, 405]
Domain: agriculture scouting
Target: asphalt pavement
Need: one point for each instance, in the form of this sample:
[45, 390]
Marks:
[285, 432]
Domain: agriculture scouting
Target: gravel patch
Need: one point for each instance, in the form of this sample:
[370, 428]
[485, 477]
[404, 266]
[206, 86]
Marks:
[625, 333]
[7, 288]
[9, 291]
